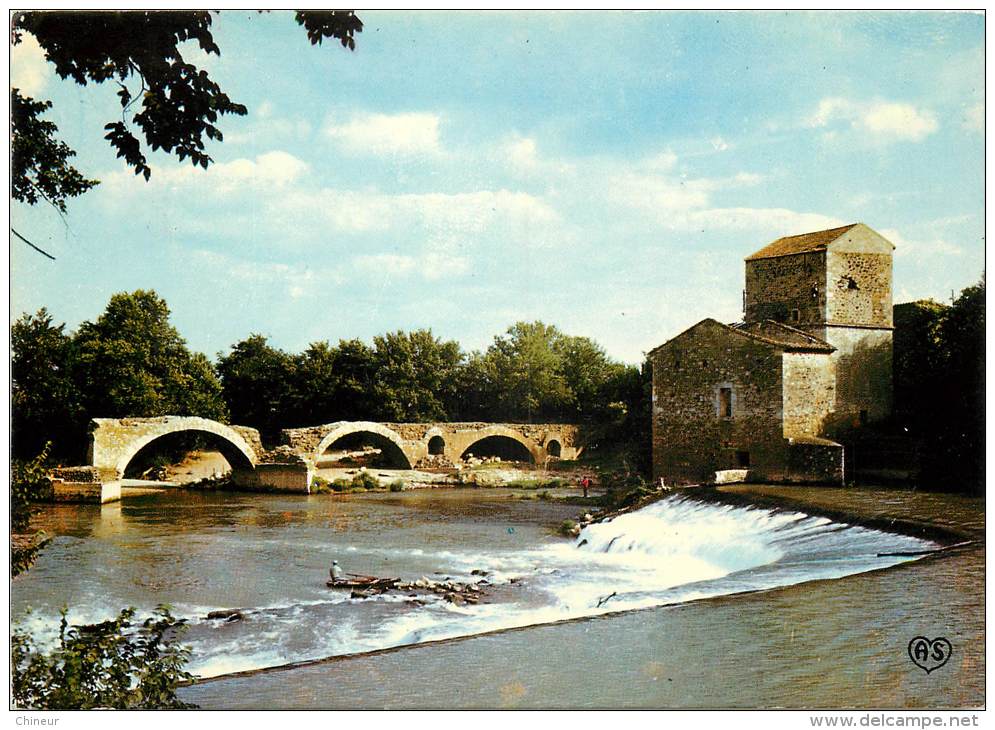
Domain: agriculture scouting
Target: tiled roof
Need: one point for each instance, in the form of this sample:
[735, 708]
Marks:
[783, 336]
[804, 243]
[768, 332]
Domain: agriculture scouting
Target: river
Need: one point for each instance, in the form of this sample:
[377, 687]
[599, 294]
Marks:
[268, 556]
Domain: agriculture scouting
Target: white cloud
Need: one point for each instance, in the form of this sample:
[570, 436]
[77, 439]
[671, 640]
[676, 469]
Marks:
[270, 128]
[521, 152]
[882, 120]
[388, 134]
[974, 118]
[268, 170]
[385, 263]
[296, 280]
[430, 264]
[29, 70]
[932, 247]
[453, 214]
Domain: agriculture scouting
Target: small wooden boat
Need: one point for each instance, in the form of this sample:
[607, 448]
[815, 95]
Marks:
[365, 582]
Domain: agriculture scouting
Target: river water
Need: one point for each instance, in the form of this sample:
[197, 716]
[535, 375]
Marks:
[268, 556]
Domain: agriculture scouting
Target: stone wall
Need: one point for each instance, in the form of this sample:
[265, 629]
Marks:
[293, 477]
[813, 461]
[859, 289]
[691, 438]
[863, 365]
[80, 484]
[776, 286]
[809, 393]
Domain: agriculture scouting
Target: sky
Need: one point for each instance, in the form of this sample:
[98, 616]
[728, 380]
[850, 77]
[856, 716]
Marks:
[603, 172]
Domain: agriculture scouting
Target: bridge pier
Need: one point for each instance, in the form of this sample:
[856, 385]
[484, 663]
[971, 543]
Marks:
[278, 477]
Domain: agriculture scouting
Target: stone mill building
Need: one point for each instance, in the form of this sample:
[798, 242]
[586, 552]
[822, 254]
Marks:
[765, 399]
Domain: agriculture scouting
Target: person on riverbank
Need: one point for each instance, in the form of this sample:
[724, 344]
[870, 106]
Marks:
[335, 572]
[585, 484]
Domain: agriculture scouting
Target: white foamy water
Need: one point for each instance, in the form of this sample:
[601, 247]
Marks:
[674, 550]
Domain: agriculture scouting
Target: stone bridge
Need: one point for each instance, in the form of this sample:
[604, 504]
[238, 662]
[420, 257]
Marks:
[114, 443]
[452, 441]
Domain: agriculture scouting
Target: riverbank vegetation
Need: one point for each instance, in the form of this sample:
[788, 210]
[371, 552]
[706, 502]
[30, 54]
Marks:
[117, 664]
[131, 361]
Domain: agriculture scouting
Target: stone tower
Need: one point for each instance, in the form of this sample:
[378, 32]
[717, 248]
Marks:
[836, 285]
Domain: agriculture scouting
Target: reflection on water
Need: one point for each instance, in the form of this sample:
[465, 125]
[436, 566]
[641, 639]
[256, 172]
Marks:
[269, 554]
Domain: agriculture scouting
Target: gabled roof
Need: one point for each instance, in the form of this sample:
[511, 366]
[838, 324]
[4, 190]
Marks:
[767, 332]
[783, 336]
[804, 243]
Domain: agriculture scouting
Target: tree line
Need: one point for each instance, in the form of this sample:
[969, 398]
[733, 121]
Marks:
[939, 368]
[131, 361]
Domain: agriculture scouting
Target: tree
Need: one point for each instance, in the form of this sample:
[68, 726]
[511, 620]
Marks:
[133, 362]
[415, 376]
[175, 106]
[354, 368]
[45, 402]
[258, 384]
[526, 370]
[591, 377]
[961, 442]
[939, 381]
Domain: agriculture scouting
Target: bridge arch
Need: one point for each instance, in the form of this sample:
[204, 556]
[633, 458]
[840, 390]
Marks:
[232, 445]
[346, 429]
[498, 432]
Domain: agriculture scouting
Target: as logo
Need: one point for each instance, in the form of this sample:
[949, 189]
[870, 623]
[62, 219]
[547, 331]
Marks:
[930, 654]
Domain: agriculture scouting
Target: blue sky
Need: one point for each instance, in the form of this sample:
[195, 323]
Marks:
[603, 172]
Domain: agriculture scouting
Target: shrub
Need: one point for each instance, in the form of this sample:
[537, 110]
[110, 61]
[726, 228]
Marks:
[27, 481]
[320, 485]
[341, 485]
[396, 486]
[365, 480]
[623, 489]
[568, 528]
[106, 665]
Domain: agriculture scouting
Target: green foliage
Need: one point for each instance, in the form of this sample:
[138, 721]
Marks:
[133, 362]
[257, 381]
[320, 485]
[28, 479]
[115, 664]
[365, 480]
[40, 166]
[174, 104]
[45, 400]
[130, 362]
[623, 489]
[415, 376]
[396, 486]
[341, 485]
[939, 380]
[526, 370]
[567, 528]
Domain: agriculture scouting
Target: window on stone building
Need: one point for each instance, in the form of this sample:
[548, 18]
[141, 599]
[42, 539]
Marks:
[795, 315]
[725, 402]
